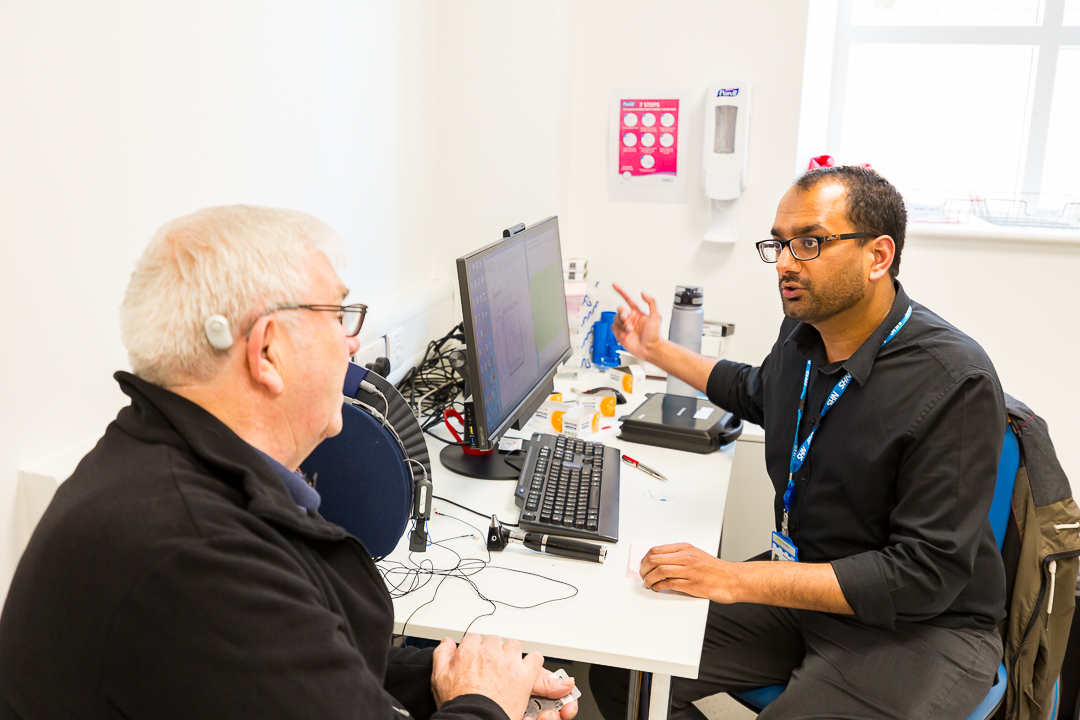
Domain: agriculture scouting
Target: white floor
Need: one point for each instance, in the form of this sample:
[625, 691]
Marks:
[719, 707]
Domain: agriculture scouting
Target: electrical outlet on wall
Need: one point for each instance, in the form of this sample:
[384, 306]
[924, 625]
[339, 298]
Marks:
[395, 347]
[368, 353]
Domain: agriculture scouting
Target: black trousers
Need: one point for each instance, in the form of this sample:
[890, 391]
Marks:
[834, 667]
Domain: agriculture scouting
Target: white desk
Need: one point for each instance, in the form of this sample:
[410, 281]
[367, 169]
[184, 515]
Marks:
[613, 620]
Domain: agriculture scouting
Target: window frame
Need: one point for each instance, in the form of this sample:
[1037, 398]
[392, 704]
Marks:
[825, 74]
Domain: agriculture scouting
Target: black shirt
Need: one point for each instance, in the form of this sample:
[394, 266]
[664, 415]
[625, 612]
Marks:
[899, 479]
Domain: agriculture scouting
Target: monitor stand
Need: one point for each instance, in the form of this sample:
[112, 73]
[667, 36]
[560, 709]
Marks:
[489, 465]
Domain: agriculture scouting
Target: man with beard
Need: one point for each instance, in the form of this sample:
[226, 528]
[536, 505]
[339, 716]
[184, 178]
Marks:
[883, 429]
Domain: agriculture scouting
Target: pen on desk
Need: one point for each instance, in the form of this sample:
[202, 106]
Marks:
[643, 468]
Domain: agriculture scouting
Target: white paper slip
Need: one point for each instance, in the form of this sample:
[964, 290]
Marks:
[508, 444]
[703, 413]
[639, 548]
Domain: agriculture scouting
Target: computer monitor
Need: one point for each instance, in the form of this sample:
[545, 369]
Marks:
[514, 311]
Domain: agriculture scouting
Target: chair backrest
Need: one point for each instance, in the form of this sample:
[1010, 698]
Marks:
[364, 481]
[1008, 466]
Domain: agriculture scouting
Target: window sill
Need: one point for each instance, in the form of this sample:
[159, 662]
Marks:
[980, 230]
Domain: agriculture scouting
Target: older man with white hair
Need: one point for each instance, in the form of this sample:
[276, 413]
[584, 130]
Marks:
[183, 570]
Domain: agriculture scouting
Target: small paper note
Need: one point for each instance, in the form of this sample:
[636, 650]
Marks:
[703, 413]
[639, 548]
[508, 444]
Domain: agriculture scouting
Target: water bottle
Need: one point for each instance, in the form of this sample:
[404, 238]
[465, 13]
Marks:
[687, 324]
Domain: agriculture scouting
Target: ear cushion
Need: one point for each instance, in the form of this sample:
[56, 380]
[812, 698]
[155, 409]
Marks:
[218, 332]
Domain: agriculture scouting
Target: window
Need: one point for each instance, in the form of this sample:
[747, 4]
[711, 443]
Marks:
[949, 99]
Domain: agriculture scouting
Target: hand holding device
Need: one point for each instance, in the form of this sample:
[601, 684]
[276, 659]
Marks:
[546, 704]
[636, 331]
[490, 666]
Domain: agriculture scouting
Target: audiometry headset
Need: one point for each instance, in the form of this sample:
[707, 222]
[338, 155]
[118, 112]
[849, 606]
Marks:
[374, 476]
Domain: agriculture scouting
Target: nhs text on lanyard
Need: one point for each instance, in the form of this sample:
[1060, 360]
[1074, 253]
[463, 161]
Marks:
[782, 546]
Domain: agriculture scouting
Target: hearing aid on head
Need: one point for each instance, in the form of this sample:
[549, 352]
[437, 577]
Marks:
[218, 332]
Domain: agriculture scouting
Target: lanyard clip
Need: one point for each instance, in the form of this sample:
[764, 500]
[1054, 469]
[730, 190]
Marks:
[783, 526]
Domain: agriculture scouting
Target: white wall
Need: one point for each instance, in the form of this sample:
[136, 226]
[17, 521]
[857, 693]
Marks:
[117, 116]
[520, 111]
[520, 95]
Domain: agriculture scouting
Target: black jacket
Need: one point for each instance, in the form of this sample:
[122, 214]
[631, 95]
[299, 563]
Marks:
[174, 577]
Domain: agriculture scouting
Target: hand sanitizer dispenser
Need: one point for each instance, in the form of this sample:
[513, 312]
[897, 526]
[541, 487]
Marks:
[727, 118]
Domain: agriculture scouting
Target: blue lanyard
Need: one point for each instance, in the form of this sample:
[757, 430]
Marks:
[799, 452]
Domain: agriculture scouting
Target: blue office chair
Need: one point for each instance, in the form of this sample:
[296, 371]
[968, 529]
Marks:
[367, 474]
[758, 698]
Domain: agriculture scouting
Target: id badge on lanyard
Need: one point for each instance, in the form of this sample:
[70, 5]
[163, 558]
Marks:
[782, 546]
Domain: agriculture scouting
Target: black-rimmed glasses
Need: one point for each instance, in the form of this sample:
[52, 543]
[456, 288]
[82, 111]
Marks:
[351, 317]
[804, 247]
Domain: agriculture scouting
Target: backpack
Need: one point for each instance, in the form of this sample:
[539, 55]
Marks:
[1041, 552]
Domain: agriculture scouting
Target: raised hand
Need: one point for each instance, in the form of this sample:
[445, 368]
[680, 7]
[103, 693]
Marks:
[635, 330]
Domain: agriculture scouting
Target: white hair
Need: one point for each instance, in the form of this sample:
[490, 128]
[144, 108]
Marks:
[233, 261]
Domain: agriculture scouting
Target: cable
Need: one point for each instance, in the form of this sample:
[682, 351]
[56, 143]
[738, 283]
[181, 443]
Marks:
[506, 459]
[370, 388]
[433, 385]
[474, 512]
[442, 439]
[403, 579]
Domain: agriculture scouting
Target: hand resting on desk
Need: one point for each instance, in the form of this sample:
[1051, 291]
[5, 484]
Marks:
[495, 668]
[683, 567]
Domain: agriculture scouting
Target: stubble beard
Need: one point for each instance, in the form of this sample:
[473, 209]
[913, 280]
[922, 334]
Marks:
[816, 304]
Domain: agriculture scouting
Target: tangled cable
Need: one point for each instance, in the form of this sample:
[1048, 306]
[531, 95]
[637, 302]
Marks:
[405, 578]
[432, 386]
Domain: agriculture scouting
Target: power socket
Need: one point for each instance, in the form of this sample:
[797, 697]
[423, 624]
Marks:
[367, 354]
[395, 348]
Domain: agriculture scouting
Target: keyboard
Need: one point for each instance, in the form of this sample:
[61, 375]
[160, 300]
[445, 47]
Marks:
[569, 487]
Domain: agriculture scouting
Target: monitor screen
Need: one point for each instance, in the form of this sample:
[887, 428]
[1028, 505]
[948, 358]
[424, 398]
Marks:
[514, 309]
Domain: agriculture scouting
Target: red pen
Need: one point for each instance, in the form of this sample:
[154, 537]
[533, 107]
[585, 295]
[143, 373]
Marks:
[643, 468]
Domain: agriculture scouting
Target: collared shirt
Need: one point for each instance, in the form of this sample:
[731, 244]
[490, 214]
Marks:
[302, 494]
[899, 480]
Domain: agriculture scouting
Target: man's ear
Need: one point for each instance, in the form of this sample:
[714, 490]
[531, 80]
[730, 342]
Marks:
[264, 354]
[884, 251]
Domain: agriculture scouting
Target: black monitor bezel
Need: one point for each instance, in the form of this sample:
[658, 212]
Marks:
[528, 405]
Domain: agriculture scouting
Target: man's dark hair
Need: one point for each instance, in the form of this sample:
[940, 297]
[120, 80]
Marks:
[873, 204]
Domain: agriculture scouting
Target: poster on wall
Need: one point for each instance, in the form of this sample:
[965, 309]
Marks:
[646, 147]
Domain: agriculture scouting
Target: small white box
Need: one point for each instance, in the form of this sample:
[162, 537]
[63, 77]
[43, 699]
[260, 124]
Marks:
[626, 377]
[580, 423]
[603, 404]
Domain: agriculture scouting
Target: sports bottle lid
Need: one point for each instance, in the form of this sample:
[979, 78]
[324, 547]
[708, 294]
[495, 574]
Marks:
[689, 295]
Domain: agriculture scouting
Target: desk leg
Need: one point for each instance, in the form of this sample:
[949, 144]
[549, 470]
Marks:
[633, 695]
[660, 697]
[659, 703]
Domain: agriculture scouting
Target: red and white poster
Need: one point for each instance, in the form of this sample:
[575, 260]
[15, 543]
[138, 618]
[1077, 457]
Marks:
[648, 137]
